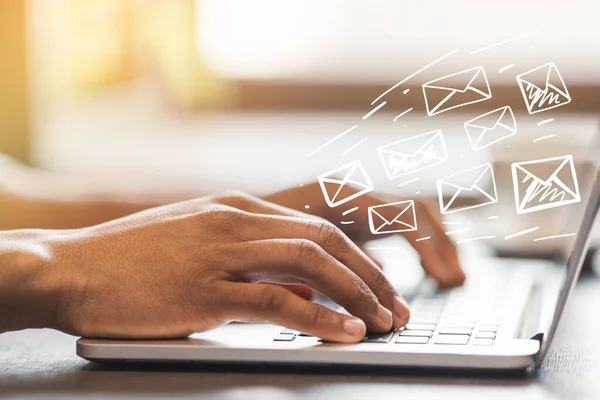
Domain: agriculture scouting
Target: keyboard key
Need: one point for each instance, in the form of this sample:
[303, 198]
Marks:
[455, 331]
[415, 319]
[412, 340]
[483, 342]
[452, 339]
[457, 324]
[408, 332]
[284, 338]
[486, 335]
[487, 328]
[378, 337]
[294, 332]
[288, 331]
[420, 327]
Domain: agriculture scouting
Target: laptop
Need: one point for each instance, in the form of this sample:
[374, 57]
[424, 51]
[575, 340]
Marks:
[503, 318]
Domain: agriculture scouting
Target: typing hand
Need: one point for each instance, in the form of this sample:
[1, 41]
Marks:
[438, 254]
[193, 266]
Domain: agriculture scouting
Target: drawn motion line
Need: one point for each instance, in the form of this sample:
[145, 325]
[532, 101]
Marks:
[349, 211]
[402, 114]
[546, 121]
[330, 141]
[457, 231]
[355, 145]
[526, 231]
[545, 137]
[414, 74]
[408, 182]
[474, 239]
[423, 238]
[505, 68]
[373, 111]
[514, 39]
[553, 237]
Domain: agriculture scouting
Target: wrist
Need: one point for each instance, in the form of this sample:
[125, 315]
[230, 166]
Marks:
[30, 284]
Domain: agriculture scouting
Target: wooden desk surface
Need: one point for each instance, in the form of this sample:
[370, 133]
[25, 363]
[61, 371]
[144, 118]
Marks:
[43, 365]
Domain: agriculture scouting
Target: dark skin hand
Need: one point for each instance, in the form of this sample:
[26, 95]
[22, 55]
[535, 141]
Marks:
[191, 266]
[438, 255]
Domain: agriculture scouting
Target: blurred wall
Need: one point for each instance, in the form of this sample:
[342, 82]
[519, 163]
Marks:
[13, 80]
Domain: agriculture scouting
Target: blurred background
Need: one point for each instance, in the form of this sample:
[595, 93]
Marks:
[220, 94]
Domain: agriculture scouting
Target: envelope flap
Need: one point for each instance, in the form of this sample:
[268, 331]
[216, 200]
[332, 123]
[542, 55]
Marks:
[413, 144]
[395, 215]
[480, 84]
[393, 212]
[537, 77]
[382, 219]
[458, 81]
[468, 179]
[488, 120]
[556, 81]
[543, 170]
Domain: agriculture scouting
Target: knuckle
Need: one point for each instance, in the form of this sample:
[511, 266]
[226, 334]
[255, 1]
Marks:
[234, 197]
[225, 219]
[328, 234]
[271, 299]
[364, 295]
[303, 249]
[380, 282]
[317, 315]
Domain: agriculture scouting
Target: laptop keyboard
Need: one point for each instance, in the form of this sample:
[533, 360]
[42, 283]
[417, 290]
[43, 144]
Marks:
[432, 323]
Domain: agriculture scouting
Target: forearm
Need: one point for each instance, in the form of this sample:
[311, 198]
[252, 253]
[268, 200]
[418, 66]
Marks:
[29, 289]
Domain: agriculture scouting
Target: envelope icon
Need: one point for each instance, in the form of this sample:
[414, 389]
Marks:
[543, 184]
[469, 183]
[456, 90]
[543, 88]
[393, 218]
[340, 190]
[491, 127]
[413, 154]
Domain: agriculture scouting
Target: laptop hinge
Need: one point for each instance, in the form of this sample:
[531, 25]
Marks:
[532, 322]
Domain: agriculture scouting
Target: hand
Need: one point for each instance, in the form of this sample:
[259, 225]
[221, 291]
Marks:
[438, 254]
[192, 266]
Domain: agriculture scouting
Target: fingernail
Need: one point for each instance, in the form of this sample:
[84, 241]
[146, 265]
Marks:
[385, 315]
[355, 327]
[401, 311]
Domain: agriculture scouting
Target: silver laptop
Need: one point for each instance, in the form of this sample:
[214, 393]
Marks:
[504, 317]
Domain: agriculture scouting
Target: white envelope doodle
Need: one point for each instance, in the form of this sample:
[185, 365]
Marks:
[543, 184]
[413, 154]
[393, 218]
[456, 90]
[491, 127]
[543, 88]
[468, 183]
[338, 190]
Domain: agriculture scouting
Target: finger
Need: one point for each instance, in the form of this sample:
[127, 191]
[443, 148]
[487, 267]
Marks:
[446, 245]
[334, 242]
[272, 303]
[301, 290]
[301, 260]
[257, 205]
[364, 249]
[438, 254]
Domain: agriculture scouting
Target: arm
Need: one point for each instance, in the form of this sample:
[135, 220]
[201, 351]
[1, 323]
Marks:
[27, 294]
[189, 267]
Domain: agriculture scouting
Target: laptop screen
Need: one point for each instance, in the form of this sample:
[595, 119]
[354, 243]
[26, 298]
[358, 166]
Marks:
[582, 224]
